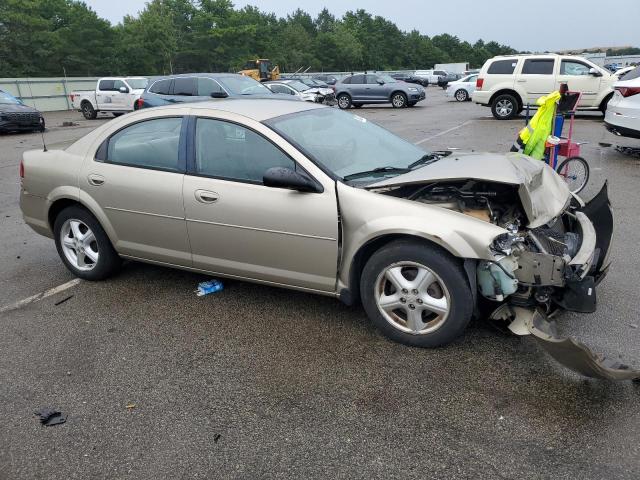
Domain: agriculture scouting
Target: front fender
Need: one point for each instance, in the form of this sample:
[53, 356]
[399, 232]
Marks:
[367, 216]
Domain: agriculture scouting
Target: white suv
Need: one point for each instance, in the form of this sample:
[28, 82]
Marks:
[508, 83]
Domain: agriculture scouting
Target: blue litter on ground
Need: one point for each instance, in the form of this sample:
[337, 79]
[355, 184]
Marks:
[210, 286]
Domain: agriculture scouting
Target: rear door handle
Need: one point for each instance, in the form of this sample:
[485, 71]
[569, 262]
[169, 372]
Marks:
[205, 196]
[95, 180]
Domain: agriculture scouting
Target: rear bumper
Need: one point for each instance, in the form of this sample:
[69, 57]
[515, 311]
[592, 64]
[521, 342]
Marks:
[622, 131]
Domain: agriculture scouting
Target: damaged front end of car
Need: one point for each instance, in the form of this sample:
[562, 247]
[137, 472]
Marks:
[552, 255]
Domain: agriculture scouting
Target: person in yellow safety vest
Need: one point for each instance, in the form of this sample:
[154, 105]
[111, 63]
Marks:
[532, 138]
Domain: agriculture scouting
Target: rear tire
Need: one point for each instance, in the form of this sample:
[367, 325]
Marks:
[429, 312]
[344, 101]
[88, 111]
[357, 105]
[83, 245]
[504, 107]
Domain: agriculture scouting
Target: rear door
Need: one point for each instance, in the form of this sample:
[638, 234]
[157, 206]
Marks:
[158, 93]
[537, 78]
[499, 75]
[104, 94]
[358, 88]
[136, 179]
[575, 74]
[183, 90]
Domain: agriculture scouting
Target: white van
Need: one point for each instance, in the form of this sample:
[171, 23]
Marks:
[508, 83]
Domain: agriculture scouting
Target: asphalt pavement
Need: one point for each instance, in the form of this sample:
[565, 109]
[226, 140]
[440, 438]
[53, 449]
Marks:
[259, 382]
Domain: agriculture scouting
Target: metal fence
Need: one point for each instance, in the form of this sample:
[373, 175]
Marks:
[46, 94]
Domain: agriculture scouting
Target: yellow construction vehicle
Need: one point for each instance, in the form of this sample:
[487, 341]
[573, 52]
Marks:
[261, 70]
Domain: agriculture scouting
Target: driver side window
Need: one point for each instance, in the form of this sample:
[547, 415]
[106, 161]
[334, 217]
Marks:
[573, 68]
[230, 151]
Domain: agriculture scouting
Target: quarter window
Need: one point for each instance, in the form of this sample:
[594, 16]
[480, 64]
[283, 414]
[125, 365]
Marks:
[568, 67]
[358, 79]
[502, 67]
[161, 87]
[227, 150]
[148, 144]
[538, 67]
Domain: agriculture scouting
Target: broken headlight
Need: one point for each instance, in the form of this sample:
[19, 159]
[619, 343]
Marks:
[505, 242]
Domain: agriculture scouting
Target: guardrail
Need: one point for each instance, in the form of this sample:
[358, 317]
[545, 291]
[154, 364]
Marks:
[47, 94]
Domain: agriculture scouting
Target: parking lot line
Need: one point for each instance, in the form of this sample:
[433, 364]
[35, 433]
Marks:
[443, 133]
[41, 295]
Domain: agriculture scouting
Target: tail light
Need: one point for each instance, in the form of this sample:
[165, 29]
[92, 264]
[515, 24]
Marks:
[21, 169]
[71, 97]
[628, 91]
[139, 103]
[479, 83]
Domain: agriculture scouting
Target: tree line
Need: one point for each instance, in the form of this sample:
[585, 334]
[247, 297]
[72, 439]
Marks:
[57, 37]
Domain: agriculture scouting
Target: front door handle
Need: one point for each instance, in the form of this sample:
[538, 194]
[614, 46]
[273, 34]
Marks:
[95, 180]
[522, 81]
[205, 196]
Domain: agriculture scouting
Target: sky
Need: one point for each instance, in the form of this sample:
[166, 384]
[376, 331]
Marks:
[578, 23]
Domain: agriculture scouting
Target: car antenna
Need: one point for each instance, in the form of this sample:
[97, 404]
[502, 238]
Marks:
[44, 145]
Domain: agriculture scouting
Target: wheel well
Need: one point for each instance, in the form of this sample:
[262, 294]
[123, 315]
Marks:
[605, 100]
[506, 92]
[398, 91]
[58, 206]
[361, 257]
[84, 102]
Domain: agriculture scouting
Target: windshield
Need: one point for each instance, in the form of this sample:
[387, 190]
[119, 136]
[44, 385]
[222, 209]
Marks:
[298, 85]
[241, 85]
[387, 78]
[347, 144]
[6, 99]
[138, 83]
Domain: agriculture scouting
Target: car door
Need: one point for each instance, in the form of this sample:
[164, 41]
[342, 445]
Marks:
[375, 91]
[184, 89]
[206, 87]
[120, 100]
[537, 78]
[136, 180]
[104, 94]
[159, 92]
[358, 88]
[470, 84]
[239, 227]
[575, 74]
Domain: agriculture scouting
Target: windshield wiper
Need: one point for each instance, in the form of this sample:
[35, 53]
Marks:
[369, 173]
[425, 160]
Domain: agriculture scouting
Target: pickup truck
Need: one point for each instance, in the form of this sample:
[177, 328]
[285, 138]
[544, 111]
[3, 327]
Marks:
[117, 95]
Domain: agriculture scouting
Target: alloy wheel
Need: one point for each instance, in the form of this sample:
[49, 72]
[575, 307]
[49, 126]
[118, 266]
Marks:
[398, 100]
[504, 107]
[79, 245]
[412, 298]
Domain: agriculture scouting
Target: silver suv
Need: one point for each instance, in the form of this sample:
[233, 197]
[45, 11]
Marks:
[362, 89]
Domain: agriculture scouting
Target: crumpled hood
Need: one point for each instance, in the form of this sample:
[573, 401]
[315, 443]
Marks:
[543, 193]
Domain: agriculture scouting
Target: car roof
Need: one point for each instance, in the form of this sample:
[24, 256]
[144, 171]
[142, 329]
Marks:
[258, 109]
[206, 75]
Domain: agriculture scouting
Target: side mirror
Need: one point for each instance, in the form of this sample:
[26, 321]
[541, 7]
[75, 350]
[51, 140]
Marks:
[283, 177]
[123, 90]
[219, 94]
[595, 72]
[380, 82]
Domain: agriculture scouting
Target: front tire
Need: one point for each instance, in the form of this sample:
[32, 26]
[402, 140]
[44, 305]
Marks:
[399, 100]
[344, 101]
[83, 245]
[88, 111]
[117, 114]
[504, 107]
[416, 294]
[461, 95]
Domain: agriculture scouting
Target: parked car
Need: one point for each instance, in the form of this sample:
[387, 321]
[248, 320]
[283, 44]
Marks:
[444, 80]
[16, 116]
[117, 95]
[623, 71]
[303, 196]
[409, 78]
[508, 83]
[363, 89]
[302, 91]
[328, 79]
[623, 111]
[198, 87]
[432, 76]
[462, 89]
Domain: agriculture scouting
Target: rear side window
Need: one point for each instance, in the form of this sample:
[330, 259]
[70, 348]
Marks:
[185, 86]
[149, 144]
[358, 79]
[106, 85]
[538, 66]
[502, 67]
[347, 80]
[207, 86]
[161, 87]
[281, 89]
